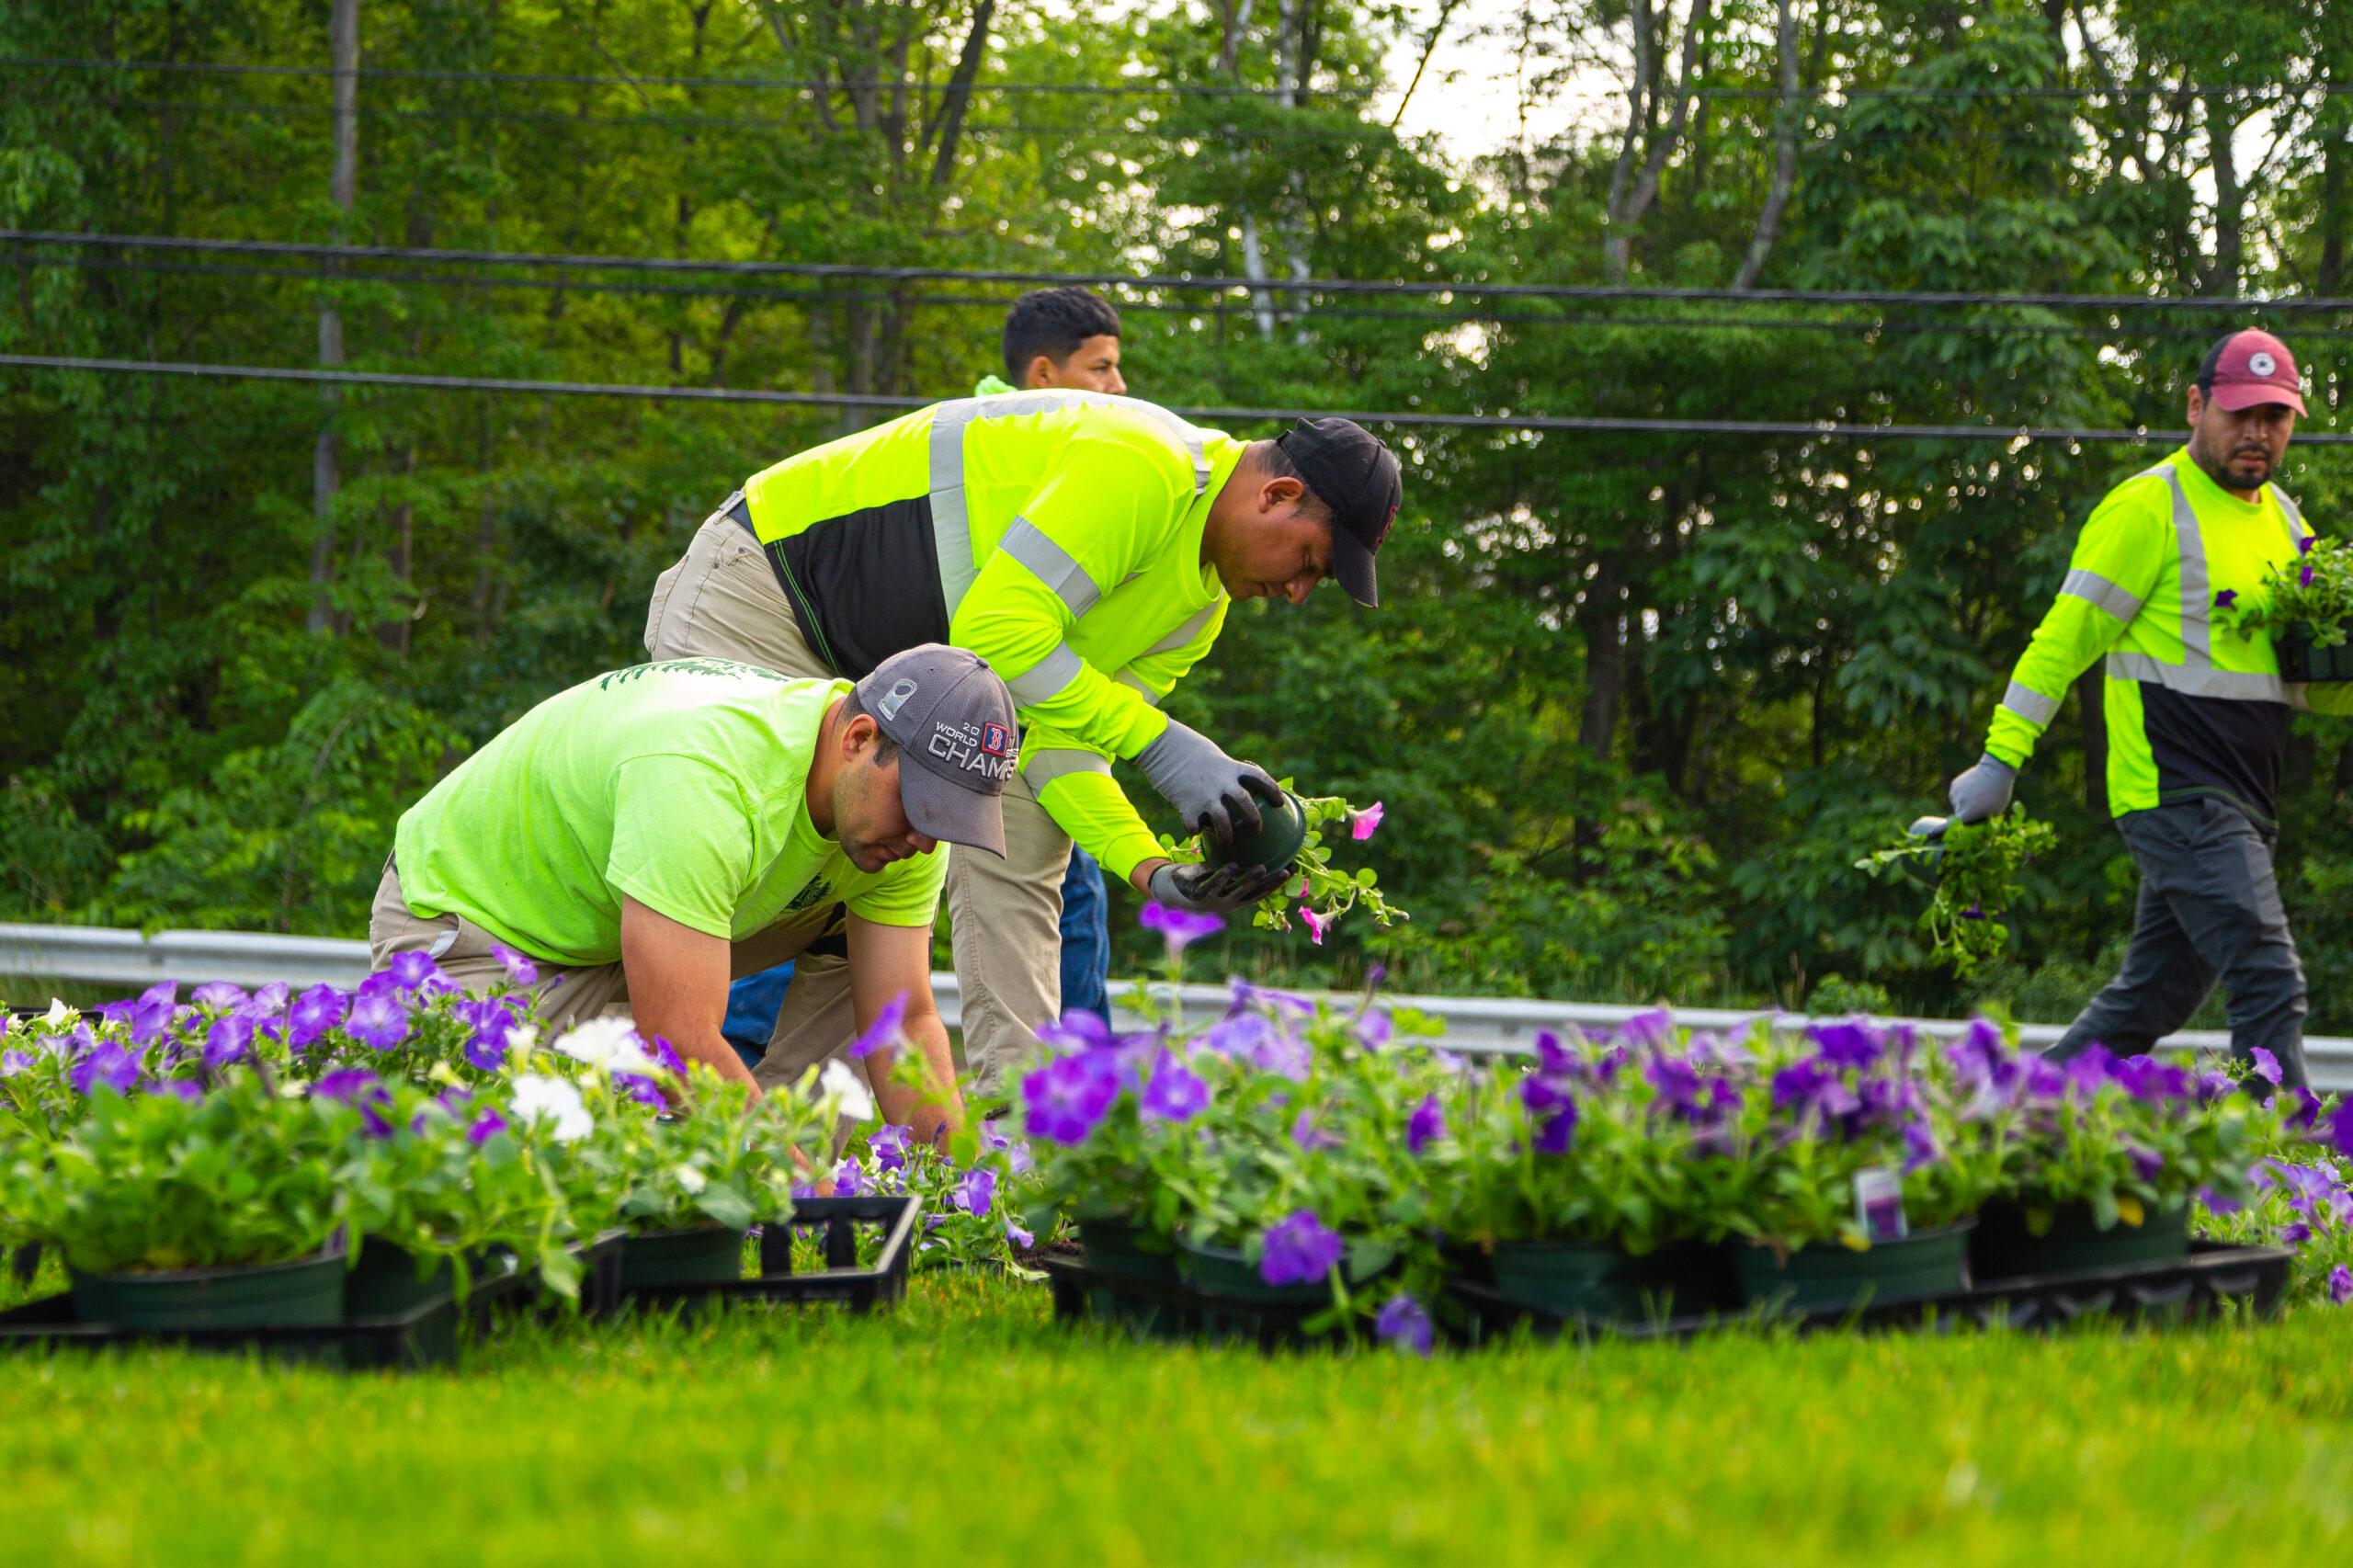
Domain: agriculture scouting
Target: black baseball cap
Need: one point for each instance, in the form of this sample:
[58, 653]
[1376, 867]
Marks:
[1355, 475]
[952, 718]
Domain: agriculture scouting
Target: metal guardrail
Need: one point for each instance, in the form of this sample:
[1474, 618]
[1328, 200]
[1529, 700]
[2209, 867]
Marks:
[97, 955]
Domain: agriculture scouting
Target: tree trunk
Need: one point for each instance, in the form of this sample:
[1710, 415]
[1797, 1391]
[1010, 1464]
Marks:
[2334, 154]
[1602, 618]
[1785, 155]
[326, 454]
[960, 92]
[2229, 201]
[1617, 250]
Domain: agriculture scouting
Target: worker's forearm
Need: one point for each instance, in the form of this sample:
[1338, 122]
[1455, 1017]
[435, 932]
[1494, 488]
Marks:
[714, 1051]
[937, 1106]
[1141, 878]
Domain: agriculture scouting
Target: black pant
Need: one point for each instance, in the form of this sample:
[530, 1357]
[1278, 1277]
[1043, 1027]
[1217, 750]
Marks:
[2210, 910]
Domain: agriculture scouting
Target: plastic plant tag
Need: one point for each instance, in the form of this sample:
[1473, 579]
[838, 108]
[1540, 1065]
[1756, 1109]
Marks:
[1879, 1205]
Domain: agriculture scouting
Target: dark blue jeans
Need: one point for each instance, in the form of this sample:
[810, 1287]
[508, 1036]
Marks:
[1087, 938]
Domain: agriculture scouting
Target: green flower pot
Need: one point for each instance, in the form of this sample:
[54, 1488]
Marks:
[1224, 1273]
[1602, 1279]
[1826, 1276]
[698, 1255]
[1282, 834]
[303, 1293]
[383, 1282]
[2002, 1248]
[1114, 1246]
[2300, 660]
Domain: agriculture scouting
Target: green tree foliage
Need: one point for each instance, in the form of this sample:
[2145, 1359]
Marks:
[1636, 701]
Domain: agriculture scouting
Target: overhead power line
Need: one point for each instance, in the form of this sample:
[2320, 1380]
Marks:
[768, 83]
[1224, 307]
[1211, 283]
[1140, 88]
[1821, 429]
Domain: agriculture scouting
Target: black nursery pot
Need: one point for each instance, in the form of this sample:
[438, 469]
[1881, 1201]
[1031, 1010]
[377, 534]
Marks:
[384, 1283]
[1282, 834]
[2300, 659]
[1602, 1279]
[1113, 1246]
[1827, 1277]
[2002, 1248]
[698, 1255]
[303, 1293]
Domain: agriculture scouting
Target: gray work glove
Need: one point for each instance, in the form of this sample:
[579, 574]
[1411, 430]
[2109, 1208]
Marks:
[1985, 791]
[1211, 790]
[1219, 890]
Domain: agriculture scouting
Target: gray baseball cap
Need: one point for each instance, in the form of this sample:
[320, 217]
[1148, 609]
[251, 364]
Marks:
[953, 719]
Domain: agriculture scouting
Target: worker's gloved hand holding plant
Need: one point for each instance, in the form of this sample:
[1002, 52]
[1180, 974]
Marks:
[1316, 894]
[1976, 867]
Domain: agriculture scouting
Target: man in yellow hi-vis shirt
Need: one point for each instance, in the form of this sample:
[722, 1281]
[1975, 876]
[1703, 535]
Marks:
[1087, 546]
[2196, 714]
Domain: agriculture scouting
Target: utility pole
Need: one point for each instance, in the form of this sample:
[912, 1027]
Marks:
[326, 457]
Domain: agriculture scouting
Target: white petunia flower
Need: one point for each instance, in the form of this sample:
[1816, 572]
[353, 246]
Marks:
[59, 1016]
[692, 1179]
[539, 1098]
[609, 1043]
[847, 1090]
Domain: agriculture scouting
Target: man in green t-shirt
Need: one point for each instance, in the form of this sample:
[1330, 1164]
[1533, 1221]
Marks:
[648, 834]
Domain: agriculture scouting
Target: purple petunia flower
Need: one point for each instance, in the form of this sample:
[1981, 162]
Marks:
[229, 1039]
[1405, 1323]
[642, 1089]
[1919, 1146]
[2153, 1082]
[1310, 1137]
[2304, 545]
[318, 1010]
[364, 1092]
[2295, 1233]
[2147, 1163]
[885, 1031]
[849, 1179]
[1180, 928]
[2266, 1067]
[1175, 1092]
[1676, 1082]
[180, 1089]
[1809, 1087]
[1556, 1129]
[664, 1054]
[977, 1194]
[1067, 1097]
[2340, 1284]
[2340, 1127]
[2225, 598]
[411, 970]
[1654, 1029]
[1015, 1237]
[1077, 1031]
[1374, 1028]
[1300, 1250]
[889, 1146]
[518, 967]
[378, 1022]
[15, 1061]
[1426, 1126]
[1853, 1043]
[2087, 1072]
[270, 1000]
[109, 1066]
[491, 1024]
[152, 1018]
[2304, 575]
[219, 995]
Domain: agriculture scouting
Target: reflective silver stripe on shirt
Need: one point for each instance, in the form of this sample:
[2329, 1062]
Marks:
[1052, 564]
[1185, 634]
[2029, 704]
[2238, 685]
[2197, 586]
[2101, 594]
[1043, 767]
[951, 523]
[1044, 680]
[1134, 683]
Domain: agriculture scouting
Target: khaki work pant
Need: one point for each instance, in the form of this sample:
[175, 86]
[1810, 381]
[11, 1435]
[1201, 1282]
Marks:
[721, 600]
[817, 1021]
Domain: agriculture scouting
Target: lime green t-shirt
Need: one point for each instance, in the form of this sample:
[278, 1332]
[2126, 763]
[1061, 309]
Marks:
[679, 784]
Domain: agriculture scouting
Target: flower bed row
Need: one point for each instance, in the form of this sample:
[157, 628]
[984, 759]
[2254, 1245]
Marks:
[1291, 1154]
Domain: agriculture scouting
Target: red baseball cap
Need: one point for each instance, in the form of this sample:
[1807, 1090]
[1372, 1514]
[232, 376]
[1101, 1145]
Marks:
[2250, 368]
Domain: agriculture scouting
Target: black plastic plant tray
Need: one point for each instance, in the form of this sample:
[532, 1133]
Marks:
[2213, 1279]
[841, 1281]
[1175, 1311]
[425, 1335]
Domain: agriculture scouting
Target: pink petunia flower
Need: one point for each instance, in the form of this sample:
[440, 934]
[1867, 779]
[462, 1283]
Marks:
[1316, 924]
[1361, 823]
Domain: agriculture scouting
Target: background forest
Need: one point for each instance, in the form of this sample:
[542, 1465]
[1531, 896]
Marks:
[1638, 698]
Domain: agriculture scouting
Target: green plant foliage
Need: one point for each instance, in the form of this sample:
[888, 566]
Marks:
[1976, 867]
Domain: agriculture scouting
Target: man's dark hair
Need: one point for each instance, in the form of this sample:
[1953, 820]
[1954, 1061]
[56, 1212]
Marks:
[2213, 363]
[886, 749]
[1273, 461]
[1054, 322]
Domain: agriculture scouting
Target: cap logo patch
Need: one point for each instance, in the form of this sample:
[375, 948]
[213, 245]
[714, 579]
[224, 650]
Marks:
[2261, 363]
[965, 747]
[896, 698]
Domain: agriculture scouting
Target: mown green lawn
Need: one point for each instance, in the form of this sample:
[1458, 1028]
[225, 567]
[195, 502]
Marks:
[966, 1428]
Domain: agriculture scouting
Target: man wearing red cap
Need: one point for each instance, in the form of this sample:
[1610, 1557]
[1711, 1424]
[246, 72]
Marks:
[2196, 714]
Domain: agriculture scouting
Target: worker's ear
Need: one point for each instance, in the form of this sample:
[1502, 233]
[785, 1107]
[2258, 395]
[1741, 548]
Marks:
[1043, 370]
[1278, 493]
[858, 736]
[2197, 405]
